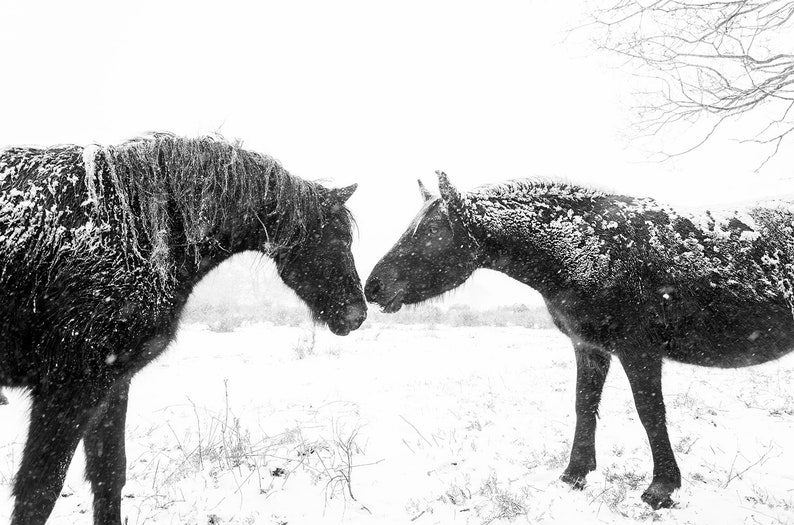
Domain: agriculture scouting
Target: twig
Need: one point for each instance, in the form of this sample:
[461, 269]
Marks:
[739, 474]
[198, 429]
[417, 430]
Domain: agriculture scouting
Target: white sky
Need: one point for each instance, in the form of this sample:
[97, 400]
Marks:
[369, 92]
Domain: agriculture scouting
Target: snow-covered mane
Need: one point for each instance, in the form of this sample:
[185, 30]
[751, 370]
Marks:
[208, 180]
[151, 183]
[524, 190]
[518, 210]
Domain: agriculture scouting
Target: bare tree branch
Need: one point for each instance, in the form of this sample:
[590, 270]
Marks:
[713, 60]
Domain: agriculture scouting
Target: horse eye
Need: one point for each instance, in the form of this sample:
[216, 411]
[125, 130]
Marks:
[433, 227]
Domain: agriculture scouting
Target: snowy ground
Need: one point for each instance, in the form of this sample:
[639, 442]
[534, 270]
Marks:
[404, 424]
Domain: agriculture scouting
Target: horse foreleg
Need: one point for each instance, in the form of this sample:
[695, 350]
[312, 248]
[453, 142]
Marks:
[644, 372]
[57, 422]
[591, 372]
[106, 462]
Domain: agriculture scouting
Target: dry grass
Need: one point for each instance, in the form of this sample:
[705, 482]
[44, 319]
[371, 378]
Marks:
[306, 344]
[221, 449]
[500, 503]
[621, 487]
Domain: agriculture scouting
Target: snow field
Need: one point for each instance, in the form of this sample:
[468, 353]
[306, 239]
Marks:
[426, 425]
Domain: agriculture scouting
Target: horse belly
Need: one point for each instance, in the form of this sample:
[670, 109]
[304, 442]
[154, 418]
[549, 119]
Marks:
[750, 338]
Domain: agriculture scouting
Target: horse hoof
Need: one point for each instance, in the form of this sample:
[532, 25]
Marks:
[658, 497]
[576, 481]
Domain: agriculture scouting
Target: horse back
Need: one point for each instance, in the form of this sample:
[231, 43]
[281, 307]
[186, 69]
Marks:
[709, 289]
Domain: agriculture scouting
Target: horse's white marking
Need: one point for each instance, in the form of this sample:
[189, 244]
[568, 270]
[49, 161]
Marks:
[414, 226]
[92, 177]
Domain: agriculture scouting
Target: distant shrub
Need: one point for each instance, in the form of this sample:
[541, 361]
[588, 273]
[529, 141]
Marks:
[465, 315]
[306, 344]
[227, 316]
[223, 325]
[460, 315]
[286, 316]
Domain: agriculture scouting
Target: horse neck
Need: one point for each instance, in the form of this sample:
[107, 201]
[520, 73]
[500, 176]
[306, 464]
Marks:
[278, 223]
[535, 241]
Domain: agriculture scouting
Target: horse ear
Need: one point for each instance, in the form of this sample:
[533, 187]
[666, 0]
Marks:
[342, 194]
[426, 195]
[449, 193]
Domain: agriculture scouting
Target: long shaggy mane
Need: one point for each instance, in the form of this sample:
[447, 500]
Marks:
[203, 183]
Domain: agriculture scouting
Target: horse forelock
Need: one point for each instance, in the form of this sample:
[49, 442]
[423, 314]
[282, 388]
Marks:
[427, 208]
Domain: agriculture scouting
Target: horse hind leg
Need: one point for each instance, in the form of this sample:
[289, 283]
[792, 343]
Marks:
[644, 372]
[591, 372]
[57, 422]
[106, 462]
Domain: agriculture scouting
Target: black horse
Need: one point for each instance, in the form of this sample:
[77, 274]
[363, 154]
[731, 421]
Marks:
[100, 248]
[621, 276]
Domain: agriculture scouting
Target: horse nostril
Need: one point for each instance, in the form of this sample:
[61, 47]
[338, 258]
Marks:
[372, 288]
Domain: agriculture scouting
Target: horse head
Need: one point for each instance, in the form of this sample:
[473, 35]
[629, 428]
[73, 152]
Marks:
[321, 270]
[434, 255]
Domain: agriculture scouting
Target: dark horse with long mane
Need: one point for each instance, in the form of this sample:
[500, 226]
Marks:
[100, 248]
[621, 276]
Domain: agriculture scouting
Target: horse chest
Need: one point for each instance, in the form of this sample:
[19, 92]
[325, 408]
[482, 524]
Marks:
[586, 322]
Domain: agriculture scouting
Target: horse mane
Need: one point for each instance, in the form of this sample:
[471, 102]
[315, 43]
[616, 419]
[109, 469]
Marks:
[202, 182]
[527, 189]
[481, 207]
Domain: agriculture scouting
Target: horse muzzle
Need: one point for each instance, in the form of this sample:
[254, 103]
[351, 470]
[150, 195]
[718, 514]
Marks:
[350, 317]
[388, 297]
